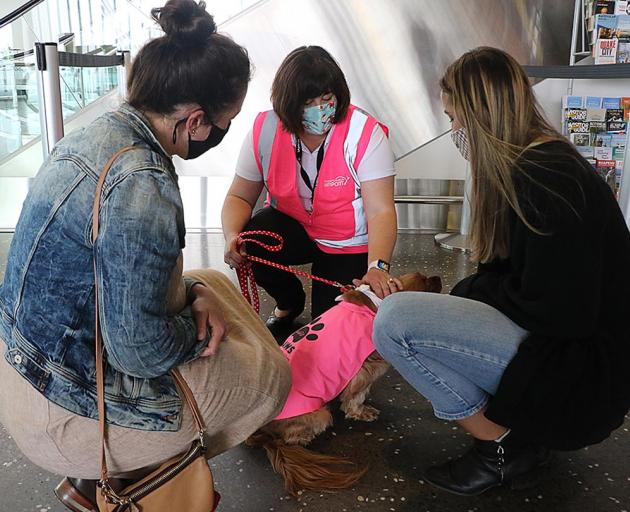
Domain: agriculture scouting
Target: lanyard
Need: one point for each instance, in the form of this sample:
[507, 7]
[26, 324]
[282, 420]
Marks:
[303, 173]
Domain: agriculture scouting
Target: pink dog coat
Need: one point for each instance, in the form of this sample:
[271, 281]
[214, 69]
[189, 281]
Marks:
[325, 355]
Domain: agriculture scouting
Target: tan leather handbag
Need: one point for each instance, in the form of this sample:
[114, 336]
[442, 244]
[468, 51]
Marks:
[182, 483]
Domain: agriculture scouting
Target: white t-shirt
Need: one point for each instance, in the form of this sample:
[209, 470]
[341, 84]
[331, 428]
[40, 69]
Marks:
[377, 162]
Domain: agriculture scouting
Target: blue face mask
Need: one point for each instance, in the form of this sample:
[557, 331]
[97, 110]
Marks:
[318, 119]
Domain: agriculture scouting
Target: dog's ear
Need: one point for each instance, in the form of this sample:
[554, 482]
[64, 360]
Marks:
[413, 282]
[434, 284]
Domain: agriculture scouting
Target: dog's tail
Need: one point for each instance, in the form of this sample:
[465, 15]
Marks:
[302, 468]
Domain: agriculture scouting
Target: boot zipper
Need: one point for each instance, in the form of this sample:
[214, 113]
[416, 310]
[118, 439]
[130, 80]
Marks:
[500, 461]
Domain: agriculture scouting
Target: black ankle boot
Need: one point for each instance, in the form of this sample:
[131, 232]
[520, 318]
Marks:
[489, 464]
[282, 326]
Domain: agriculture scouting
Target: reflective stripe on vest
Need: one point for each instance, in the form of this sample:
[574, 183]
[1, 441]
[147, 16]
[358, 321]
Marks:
[350, 146]
[360, 226]
[265, 141]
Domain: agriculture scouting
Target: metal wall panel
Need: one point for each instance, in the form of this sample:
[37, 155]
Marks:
[393, 53]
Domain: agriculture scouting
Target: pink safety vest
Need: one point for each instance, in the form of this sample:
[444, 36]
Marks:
[337, 223]
[325, 355]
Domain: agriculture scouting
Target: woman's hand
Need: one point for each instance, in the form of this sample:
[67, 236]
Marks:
[207, 313]
[381, 283]
[235, 214]
[234, 252]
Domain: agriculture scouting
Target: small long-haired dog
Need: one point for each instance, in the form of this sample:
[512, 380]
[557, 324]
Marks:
[332, 356]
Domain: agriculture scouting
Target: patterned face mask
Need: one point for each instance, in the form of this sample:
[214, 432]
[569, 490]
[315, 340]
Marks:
[318, 119]
[460, 139]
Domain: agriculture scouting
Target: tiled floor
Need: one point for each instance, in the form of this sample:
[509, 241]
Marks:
[405, 440]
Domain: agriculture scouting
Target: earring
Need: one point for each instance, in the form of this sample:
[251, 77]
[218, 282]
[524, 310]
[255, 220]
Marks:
[193, 131]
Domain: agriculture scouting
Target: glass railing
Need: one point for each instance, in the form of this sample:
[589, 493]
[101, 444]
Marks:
[82, 86]
[80, 26]
[19, 104]
[19, 98]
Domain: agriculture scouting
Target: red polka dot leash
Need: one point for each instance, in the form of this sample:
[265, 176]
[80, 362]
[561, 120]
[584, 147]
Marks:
[245, 273]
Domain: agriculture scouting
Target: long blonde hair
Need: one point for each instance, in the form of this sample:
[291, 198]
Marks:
[492, 97]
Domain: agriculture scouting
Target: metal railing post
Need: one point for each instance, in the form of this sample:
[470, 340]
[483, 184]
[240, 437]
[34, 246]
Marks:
[459, 241]
[464, 227]
[577, 18]
[49, 87]
[123, 73]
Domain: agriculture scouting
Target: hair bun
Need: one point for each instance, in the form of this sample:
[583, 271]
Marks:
[185, 20]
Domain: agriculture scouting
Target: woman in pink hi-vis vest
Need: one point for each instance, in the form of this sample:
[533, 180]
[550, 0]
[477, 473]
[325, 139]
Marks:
[329, 175]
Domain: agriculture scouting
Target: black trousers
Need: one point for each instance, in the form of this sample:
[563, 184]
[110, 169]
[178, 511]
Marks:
[285, 288]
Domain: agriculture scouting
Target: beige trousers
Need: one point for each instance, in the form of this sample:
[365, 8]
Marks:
[238, 390]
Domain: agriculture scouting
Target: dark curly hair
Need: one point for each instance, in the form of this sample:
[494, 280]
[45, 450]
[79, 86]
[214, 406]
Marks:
[191, 63]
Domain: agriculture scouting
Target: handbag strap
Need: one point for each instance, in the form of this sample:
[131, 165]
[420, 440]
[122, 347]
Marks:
[100, 377]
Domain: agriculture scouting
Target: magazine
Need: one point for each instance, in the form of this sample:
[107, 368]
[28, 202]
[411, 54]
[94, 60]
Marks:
[593, 102]
[611, 103]
[576, 114]
[605, 25]
[602, 139]
[606, 51]
[577, 127]
[596, 114]
[607, 170]
[605, 7]
[603, 153]
[598, 128]
[623, 52]
[622, 7]
[582, 139]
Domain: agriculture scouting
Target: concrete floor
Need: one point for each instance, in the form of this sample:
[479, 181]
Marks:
[398, 447]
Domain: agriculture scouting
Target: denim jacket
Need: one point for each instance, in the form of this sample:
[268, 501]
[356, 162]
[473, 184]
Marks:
[47, 316]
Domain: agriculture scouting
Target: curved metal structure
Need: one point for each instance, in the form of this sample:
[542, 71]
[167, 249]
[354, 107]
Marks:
[392, 52]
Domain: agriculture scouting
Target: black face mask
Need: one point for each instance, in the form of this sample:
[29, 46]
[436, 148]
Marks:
[197, 148]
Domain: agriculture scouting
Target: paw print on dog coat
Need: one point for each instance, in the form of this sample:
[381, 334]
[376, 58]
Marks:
[337, 344]
[308, 331]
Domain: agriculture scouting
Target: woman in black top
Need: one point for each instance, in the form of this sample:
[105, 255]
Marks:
[531, 351]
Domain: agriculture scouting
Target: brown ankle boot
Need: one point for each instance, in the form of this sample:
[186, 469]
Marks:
[77, 494]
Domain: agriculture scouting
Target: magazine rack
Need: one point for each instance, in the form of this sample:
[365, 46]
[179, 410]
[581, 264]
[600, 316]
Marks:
[580, 67]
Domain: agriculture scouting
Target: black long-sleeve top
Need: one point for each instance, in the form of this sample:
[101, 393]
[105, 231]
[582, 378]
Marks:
[569, 384]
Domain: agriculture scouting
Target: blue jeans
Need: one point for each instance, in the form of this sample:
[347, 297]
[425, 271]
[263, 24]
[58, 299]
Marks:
[452, 350]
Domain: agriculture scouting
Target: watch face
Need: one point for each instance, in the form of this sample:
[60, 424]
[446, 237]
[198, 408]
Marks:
[383, 265]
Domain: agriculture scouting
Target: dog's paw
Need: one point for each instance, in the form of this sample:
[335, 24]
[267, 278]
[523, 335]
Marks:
[363, 413]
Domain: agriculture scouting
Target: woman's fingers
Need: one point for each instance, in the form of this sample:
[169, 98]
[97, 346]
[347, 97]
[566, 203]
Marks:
[218, 331]
[395, 285]
[235, 253]
[382, 286]
[234, 258]
[201, 321]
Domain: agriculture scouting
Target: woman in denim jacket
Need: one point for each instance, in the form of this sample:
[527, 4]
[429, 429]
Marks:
[183, 91]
